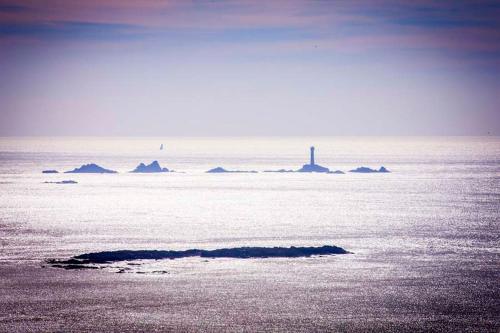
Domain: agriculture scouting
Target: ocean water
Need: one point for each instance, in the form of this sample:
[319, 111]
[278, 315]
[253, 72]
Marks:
[425, 238]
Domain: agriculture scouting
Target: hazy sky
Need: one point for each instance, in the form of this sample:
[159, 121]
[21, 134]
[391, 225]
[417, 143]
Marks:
[168, 68]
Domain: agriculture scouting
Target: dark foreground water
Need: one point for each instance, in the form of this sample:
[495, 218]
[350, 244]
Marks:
[425, 238]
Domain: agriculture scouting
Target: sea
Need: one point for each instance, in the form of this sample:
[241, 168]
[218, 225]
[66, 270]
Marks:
[424, 238]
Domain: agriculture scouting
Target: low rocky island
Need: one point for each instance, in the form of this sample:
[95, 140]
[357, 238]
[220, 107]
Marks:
[89, 260]
[369, 170]
[154, 167]
[222, 170]
[50, 171]
[91, 168]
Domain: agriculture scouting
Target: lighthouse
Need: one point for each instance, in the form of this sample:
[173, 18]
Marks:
[312, 166]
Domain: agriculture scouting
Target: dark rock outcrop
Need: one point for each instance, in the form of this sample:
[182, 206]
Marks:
[313, 168]
[50, 171]
[150, 168]
[108, 257]
[91, 168]
[369, 170]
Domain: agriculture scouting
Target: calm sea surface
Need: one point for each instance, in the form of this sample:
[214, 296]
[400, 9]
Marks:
[425, 237]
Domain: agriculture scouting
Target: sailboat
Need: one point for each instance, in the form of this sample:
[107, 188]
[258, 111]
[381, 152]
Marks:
[161, 146]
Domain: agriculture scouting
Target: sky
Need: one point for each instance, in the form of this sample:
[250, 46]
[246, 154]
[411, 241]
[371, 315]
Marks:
[249, 68]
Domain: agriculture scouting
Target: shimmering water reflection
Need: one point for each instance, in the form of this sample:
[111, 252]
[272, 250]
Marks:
[425, 237]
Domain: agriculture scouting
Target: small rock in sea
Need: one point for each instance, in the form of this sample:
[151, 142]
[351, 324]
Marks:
[159, 272]
[222, 170]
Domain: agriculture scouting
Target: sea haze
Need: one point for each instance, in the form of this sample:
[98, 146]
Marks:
[424, 238]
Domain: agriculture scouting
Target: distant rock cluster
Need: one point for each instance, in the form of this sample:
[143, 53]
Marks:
[313, 167]
[154, 167]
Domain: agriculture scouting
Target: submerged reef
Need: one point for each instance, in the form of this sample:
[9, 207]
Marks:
[63, 182]
[91, 168]
[89, 260]
[150, 168]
